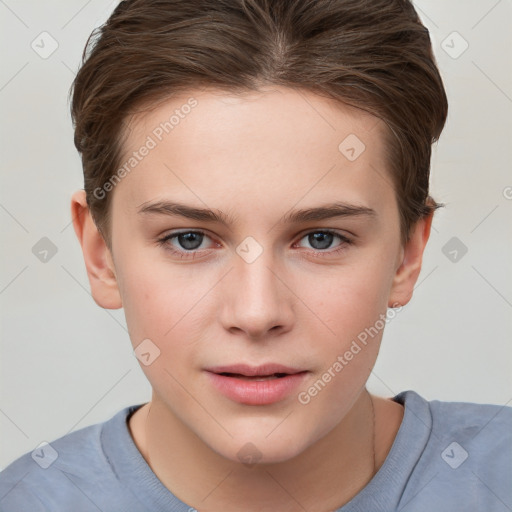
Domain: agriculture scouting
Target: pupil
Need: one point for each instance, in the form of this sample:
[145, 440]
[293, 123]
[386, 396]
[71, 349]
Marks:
[190, 240]
[325, 240]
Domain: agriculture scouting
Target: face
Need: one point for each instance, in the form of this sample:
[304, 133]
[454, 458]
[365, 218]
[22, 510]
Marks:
[292, 258]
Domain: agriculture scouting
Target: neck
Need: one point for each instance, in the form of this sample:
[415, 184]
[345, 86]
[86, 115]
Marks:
[324, 476]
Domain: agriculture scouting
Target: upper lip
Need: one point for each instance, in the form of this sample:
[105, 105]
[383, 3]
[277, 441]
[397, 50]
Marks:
[254, 371]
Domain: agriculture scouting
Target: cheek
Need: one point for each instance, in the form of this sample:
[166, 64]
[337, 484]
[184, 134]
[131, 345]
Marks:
[168, 305]
[153, 301]
[144, 302]
[349, 299]
[353, 306]
[162, 310]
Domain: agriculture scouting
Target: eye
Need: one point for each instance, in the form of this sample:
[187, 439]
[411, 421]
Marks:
[321, 240]
[189, 241]
[184, 244]
[187, 244]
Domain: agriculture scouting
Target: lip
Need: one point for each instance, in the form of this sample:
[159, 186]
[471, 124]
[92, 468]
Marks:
[253, 371]
[255, 392]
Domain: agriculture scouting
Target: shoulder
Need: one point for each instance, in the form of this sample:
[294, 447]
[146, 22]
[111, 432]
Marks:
[468, 414]
[466, 461]
[472, 423]
[62, 474]
[478, 433]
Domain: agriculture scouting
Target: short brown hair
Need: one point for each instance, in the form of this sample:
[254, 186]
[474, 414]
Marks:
[376, 56]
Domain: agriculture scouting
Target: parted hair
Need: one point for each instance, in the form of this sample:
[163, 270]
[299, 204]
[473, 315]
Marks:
[374, 55]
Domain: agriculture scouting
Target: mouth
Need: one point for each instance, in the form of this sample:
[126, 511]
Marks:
[254, 377]
[256, 385]
[261, 372]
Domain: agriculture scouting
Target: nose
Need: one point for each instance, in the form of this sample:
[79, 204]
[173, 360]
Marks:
[255, 299]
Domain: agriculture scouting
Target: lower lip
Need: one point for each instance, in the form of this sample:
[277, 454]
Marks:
[254, 392]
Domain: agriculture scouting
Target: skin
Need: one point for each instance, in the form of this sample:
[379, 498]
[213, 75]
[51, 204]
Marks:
[257, 157]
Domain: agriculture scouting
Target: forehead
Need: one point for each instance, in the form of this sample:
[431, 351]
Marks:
[293, 115]
[274, 146]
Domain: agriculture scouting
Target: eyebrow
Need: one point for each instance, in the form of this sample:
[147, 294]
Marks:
[323, 212]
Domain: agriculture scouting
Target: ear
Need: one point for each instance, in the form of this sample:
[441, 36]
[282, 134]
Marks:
[97, 257]
[409, 269]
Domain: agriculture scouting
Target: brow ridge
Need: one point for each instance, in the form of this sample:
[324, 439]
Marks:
[323, 212]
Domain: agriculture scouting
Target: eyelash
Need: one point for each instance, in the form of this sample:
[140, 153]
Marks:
[184, 254]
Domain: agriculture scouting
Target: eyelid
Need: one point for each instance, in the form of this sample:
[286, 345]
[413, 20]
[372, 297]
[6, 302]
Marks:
[164, 242]
[173, 234]
[299, 236]
[344, 234]
[184, 254]
[345, 241]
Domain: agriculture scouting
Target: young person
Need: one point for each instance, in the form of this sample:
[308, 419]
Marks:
[256, 199]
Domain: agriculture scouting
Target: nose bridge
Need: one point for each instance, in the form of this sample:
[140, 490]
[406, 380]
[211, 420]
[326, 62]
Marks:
[254, 299]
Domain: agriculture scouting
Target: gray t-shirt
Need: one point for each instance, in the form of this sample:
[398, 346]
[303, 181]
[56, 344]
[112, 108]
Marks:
[447, 456]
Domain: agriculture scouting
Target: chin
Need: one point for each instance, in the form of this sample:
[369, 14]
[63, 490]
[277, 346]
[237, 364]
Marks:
[259, 449]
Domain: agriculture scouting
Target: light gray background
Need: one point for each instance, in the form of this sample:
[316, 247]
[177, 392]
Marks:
[66, 363]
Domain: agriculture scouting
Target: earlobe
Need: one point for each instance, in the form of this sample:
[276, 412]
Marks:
[97, 257]
[408, 271]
